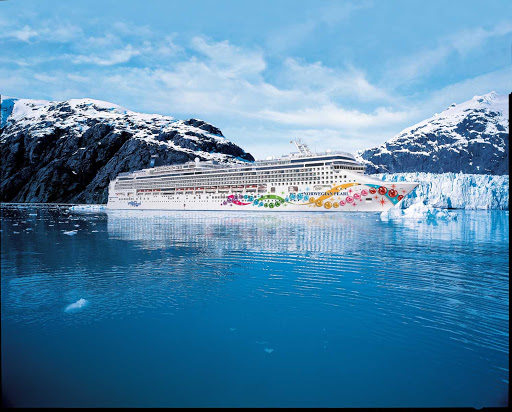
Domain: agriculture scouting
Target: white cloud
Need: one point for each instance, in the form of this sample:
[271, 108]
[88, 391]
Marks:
[330, 82]
[49, 31]
[418, 65]
[60, 32]
[232, 61]
[78, 78]
[45, 78]
[293, 35]
[498, 80]
[168, 47]
[107, 40]
[127, 29]
[108, 58]
[331, 115]
[467, 40]
[24, 34]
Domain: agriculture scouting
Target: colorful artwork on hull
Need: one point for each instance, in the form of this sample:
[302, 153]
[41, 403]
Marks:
[324, 200]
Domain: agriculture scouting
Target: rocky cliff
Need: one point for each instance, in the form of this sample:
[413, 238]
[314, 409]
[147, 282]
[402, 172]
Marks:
[68, 151]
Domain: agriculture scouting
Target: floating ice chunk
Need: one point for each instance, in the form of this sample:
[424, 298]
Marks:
[393, 213]
[418, 211]
[79, 304]
[269, 350]
[87, 208]
[71, 232]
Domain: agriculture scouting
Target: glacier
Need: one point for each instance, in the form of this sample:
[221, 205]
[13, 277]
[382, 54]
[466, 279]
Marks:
[454, 190]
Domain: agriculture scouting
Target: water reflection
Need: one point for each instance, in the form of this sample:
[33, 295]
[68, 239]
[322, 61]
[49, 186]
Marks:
[450, 272]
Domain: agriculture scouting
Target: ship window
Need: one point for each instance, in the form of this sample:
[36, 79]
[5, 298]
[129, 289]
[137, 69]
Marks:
[272, 190]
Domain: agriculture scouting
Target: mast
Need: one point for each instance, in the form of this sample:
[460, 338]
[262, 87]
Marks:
[302, 147]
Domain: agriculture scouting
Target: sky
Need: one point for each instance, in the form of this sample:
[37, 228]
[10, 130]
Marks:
[340, 75]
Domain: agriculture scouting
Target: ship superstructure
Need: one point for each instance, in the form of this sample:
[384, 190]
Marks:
[301, 181]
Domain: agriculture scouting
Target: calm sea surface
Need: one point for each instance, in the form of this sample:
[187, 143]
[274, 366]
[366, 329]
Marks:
[220, 309]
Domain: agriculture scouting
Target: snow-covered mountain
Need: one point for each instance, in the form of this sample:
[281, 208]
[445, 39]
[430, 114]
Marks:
[471, 137]
[68, 151]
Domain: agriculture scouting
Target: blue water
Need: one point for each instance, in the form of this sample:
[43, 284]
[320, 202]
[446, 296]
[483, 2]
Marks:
[218, 309]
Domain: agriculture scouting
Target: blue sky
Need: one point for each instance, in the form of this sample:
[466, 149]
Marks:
[342, 75]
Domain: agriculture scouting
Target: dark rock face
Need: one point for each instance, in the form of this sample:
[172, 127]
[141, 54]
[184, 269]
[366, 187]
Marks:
[69, 151]
[203, 126]
[469, 138]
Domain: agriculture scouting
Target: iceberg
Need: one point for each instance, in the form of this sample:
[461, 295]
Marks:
[454, 190]
[79, 304]
[87, 208]
[418, 211]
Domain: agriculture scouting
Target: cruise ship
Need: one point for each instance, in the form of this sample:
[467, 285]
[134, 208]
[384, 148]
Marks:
[301, 181]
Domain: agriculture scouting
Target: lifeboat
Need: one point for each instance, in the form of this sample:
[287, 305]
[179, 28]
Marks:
[223, 188]
[212, 189]
[251, 188]
[237, 188]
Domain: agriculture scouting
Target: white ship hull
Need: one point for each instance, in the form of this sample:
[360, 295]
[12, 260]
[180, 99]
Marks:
[364, 194]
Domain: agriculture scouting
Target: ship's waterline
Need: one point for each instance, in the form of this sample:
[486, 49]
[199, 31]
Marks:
[302, 181]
